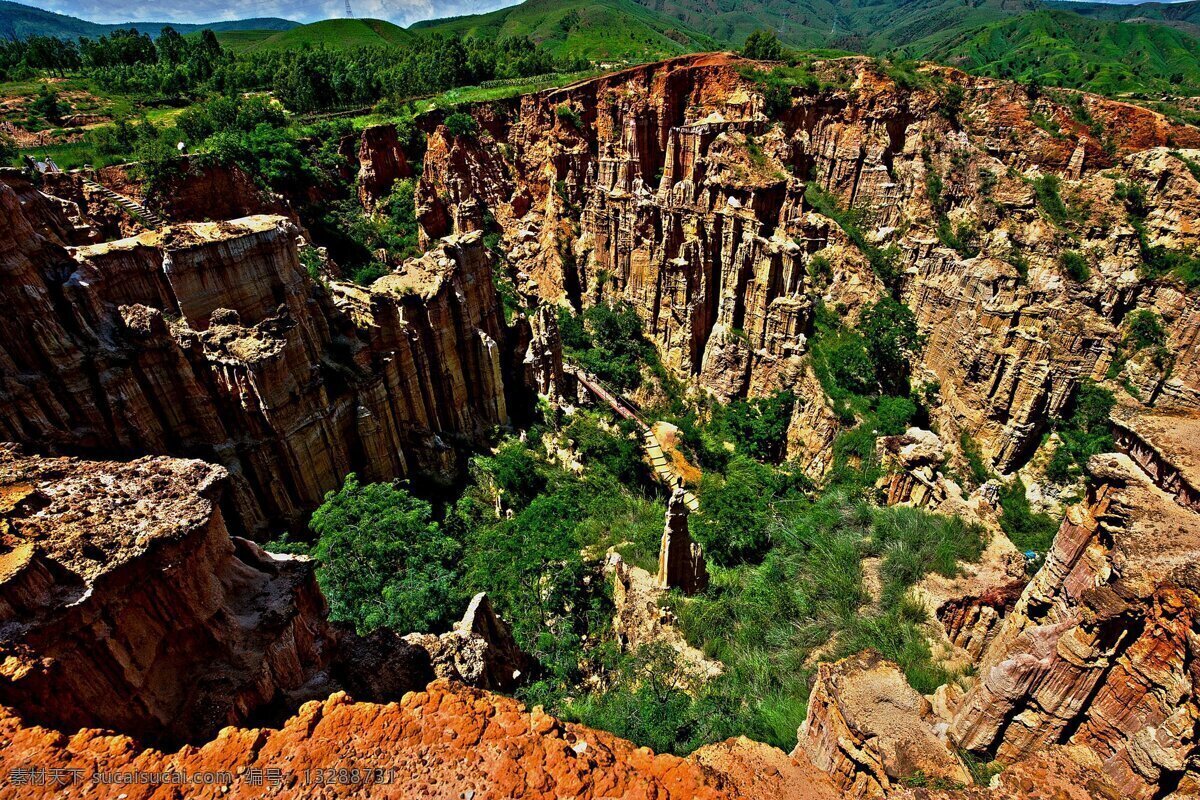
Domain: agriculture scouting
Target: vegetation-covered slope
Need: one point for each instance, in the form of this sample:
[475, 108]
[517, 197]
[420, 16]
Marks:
[1065, 49]
[19, 21]
[842, 23]
[339, 34]
[607, 29]
[1184, 16]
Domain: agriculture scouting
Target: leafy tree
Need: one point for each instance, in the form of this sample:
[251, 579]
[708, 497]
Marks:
[459, 124]
[735, 526]
[121, 48]
[268, 153]
[759, 426]
[763, 45]
[613, 452]
[515, 473]
[952, 101]
[609, 343]
[383, 561]
[1084, 434]
[890, 331]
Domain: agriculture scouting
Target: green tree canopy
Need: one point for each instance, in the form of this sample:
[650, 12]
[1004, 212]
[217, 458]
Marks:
[383, 561]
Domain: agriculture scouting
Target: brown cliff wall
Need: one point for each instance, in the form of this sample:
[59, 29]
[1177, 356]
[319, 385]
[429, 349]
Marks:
[1097, 650]
[209, 340]
[678, 194]
[125, 603]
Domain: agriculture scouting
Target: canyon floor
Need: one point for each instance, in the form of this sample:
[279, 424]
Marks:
[710, 428]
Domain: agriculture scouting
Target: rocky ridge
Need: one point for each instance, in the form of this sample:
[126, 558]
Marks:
[210, 340]
[679, 194]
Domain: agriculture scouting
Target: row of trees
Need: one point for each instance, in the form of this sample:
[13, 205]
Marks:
[308, 79]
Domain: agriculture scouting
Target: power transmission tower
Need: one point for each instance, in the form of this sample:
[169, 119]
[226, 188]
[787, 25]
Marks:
[349, 12]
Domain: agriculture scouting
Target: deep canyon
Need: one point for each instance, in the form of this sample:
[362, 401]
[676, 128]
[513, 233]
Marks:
[172, 399]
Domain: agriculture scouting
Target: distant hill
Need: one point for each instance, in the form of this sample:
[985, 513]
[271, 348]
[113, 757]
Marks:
[1066, 49]
[20, 22]
[851, 24]
[1184, 16]
[342, 34]
[595, 29]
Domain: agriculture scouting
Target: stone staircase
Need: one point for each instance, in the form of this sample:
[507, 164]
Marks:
[663, 469]
[134, 209]
[658, 460]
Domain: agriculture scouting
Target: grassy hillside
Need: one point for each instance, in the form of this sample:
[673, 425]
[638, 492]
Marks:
[242, 41]
[851, 24]
[1184, 16]
[342, 34]
[595, 29]
[20, 22]
[1065, 49]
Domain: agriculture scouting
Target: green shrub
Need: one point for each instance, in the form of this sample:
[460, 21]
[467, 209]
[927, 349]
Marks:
[1144, 329]
[383, 561]
[979, 473]
[462, 125]
[735, 525]
[1084, 434]
[1029, 532]
[759, 427]
[777, 93]
[962, 238]
[608, 343]
[1046, 188]
[890, 331]
[569, 116]
[1075, 265]
[952, 101]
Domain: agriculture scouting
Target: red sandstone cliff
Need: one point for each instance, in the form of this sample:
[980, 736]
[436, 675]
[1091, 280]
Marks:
[1098, 650]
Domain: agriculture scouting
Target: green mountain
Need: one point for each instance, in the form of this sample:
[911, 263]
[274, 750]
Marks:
[1184, 16]
[849, 24]
[1065, 49]
[20, 22]
[595, 29]
[341, 34]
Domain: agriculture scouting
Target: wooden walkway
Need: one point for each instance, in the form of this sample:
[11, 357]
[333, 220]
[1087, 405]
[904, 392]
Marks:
[650, 444]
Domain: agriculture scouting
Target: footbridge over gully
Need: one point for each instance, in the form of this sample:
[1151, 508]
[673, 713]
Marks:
[625, 409]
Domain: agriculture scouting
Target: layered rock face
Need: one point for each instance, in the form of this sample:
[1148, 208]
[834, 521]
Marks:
[679, 194]
[124, 602]
[1097, 650]
[871, 731]
[209, 340]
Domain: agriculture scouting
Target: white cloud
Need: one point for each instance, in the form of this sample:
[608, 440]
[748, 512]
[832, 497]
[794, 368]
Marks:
[402, 12]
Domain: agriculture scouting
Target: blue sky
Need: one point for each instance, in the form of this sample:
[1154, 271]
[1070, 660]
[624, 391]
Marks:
[401, 12]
